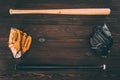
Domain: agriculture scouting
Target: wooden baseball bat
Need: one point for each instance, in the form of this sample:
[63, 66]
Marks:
[83, 11]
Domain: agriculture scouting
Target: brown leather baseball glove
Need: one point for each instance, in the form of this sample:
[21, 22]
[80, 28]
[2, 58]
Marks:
[19, 42]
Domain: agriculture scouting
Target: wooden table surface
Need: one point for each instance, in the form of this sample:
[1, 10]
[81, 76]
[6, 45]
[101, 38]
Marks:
[59, 40]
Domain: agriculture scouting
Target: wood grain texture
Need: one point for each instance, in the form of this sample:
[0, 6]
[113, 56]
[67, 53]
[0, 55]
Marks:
[59, 39]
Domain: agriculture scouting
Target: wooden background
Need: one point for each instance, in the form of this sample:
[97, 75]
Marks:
[59, 39]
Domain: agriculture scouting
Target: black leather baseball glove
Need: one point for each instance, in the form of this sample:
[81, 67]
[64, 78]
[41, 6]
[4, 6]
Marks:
[101, 40]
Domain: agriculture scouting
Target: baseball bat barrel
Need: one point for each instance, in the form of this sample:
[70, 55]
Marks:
[36, 67]
[82, 11]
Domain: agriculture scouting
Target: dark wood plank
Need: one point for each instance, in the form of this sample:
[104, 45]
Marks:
[59, 39]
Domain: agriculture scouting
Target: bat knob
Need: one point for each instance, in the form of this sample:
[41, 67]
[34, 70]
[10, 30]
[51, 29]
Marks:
[104, 67]
[10, 11]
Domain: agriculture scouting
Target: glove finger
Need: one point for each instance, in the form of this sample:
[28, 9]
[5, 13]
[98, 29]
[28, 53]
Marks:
[27, 44]
[11, 37]
[24, 39]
